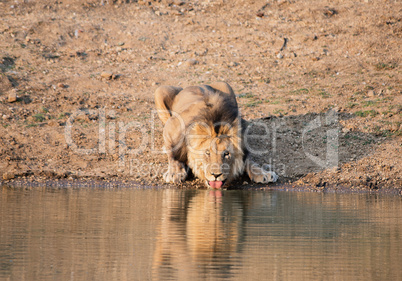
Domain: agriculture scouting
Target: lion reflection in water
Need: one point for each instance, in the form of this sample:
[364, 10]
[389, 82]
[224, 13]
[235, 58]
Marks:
[200, 234]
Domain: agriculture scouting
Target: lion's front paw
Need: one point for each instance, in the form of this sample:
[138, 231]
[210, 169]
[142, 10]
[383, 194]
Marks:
[264, 177]
[176, 173]
[270, 177]
[260, 175]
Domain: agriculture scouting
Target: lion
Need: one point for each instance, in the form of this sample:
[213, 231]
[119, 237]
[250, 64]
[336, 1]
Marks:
[203, 131]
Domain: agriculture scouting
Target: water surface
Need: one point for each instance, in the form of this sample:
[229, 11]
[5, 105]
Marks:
[163, 234]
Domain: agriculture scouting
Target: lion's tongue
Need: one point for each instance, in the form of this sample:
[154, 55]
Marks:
[215, 184]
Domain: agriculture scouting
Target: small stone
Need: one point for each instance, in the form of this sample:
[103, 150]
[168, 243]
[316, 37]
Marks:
[12, 96]
[8, 176]
[329, 12]
[260, 14]
[371, 93]
[190, 22]
[53, 123]
[279, 56]
[107, 75]
[191, 62]
[177, 13]
[61, 85]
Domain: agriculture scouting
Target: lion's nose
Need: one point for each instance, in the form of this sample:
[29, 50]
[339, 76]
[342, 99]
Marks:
[216, 175]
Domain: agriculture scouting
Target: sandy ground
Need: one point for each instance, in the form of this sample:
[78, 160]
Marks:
[319, 81]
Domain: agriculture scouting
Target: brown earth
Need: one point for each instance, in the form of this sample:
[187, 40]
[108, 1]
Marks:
[319, 80]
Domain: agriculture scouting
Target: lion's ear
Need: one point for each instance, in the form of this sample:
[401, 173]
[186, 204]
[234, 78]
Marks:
[235, 133]
[235, 128]
[197, 133]
[200, 128]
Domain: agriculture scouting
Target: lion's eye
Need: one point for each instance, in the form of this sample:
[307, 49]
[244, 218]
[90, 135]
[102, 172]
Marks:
[226, 154]
[207, 152]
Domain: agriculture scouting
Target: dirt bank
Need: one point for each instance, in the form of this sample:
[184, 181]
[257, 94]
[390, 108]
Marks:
[320, 82]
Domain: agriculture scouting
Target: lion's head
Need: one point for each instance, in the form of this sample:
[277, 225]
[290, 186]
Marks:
[215, 152]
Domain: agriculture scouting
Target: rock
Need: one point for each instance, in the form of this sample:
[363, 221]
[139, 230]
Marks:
[12, 96]
[371, 93]
[107, 75]
[61, 85]
[190, 62]
[53, 123]
[177, 13]
[329, 12]
[5, 84]
[190, 22]
[279, 56]
[8, 176]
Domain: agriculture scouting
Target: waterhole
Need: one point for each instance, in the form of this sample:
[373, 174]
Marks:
[166, 234]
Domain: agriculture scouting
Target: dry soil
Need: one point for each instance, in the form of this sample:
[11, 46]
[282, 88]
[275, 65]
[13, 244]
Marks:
[319, 81]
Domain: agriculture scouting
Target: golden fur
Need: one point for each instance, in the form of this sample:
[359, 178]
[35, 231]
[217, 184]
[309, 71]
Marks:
[203, 131]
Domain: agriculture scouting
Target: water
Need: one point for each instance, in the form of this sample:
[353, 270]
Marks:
[135, 234]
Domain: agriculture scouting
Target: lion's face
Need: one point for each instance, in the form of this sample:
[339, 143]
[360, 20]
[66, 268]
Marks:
[215, 157]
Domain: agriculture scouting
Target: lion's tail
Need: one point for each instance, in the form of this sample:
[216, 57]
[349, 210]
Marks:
[164, 97]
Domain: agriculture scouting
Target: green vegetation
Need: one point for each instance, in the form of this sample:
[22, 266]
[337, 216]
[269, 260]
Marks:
[39, 117]
[368, 103]
[371, 113]
[280, 111]
[379, 131]
[324, 94]
[351, 104]
[300, 91]
[385, 66]
[246, 95]
[31, 125]
[253, 103]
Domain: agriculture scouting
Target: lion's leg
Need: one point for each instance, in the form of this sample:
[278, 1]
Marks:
[164, 97]
[176, 172]
[259, 175]
[174, 143]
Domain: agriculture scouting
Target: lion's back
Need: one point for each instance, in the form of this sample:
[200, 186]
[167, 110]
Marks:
[205, 103]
